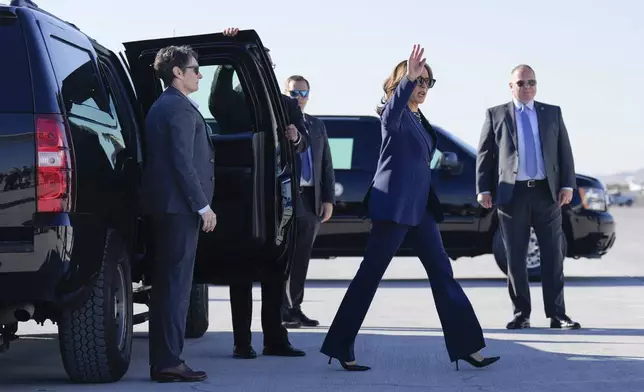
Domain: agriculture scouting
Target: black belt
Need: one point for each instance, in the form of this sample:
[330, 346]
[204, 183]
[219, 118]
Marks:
[532, 183]
[305, 187]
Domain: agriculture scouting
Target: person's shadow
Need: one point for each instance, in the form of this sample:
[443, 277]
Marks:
[405, 359]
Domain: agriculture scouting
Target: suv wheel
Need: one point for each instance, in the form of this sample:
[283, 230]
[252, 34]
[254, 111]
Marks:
[533, 259]
[198, 316]
[96, 338]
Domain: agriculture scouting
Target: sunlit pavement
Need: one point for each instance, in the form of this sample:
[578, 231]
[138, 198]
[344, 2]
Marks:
[401, 337]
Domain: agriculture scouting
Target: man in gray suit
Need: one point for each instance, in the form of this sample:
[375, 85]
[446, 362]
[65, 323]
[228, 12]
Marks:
[525, 166]
[176, 190]
[317, 197]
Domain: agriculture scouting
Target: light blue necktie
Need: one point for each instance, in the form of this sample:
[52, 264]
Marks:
[530, 148]
[306, 165]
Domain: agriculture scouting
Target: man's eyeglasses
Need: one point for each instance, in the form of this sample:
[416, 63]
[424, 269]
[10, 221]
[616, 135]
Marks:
[301, 93]
[194, 67]
[522, 83]
[421, 81]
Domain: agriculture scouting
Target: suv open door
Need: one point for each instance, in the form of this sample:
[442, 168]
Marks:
[254, 183]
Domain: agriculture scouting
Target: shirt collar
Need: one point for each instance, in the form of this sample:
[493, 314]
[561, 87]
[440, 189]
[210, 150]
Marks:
[192, 101]
[518, 105]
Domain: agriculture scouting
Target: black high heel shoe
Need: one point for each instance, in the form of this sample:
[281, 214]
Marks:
[478, 364]
[351, 368]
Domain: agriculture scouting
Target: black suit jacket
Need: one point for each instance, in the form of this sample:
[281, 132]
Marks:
[497, 162]
[179, 172]
[323, 174]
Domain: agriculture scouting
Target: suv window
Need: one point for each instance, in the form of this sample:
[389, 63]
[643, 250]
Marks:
[355, 144]
[225, 110]
[79, 84]
[15, 83]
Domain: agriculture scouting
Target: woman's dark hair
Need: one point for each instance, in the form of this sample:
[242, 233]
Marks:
[392, 82]
[172, 56]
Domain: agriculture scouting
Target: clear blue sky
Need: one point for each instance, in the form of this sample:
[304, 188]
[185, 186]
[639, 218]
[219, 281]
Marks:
[587, 55]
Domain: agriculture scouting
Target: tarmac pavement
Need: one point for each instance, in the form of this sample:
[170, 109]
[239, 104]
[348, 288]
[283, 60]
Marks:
[401, 337]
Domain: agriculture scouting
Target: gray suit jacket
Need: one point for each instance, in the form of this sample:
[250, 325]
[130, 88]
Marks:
[497, 162]
[323, 174]
[179, 171]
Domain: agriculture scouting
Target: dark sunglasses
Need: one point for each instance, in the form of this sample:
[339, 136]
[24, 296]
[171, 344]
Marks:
[301, 93]
[421, 81]
[522, 83]
[193, 67]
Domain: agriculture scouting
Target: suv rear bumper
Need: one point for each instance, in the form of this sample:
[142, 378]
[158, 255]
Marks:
[33, 276]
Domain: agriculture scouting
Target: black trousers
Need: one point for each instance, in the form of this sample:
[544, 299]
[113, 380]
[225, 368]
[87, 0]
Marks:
[241, 304]
[533, 206]
[308, 225]
[175, 244]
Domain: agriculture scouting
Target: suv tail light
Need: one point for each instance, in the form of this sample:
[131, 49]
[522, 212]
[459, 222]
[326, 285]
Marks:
[54, 164]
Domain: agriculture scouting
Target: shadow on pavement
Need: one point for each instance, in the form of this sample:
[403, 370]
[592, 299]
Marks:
[409, 359]
[573, 281]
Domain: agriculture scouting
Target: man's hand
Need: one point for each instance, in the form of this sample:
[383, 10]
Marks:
[485, 200]
[209, 221]
[326, 212]
[565, 197]
[231, 31]
[292, 133]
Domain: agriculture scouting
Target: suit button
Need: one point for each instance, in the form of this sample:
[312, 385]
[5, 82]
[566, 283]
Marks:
[212, 160]
[212, 178]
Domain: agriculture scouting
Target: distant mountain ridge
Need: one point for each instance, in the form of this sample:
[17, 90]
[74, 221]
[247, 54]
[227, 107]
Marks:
[623, 177]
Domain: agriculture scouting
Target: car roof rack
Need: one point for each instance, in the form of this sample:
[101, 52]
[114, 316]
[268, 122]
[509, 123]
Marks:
[23, 3]
[32, 5]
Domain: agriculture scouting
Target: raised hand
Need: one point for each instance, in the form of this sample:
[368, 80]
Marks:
[231, 31]
[415, 65]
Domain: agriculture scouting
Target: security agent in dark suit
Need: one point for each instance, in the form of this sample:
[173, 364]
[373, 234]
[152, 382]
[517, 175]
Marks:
[317, 197]
[228, 106]
[525, 166]
[176, 190]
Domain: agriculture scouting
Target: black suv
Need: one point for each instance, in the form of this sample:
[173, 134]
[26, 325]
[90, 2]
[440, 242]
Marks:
[72, 242]
[468, 229]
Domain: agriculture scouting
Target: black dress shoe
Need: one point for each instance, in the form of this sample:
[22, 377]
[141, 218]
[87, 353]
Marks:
[563, 322]
[245, 352]
[307, 322]
[283, 351]
[291, 324]
[290, 321]
[296, 318]
[178, 373]
[519, 323]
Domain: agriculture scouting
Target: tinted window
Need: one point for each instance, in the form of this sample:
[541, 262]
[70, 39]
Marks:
[15, 83]
[222, 102]
[355, 144]
[115, 142]
[79, 84]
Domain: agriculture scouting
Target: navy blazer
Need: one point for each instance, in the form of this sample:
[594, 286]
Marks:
[179, 169]
[401, 188]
